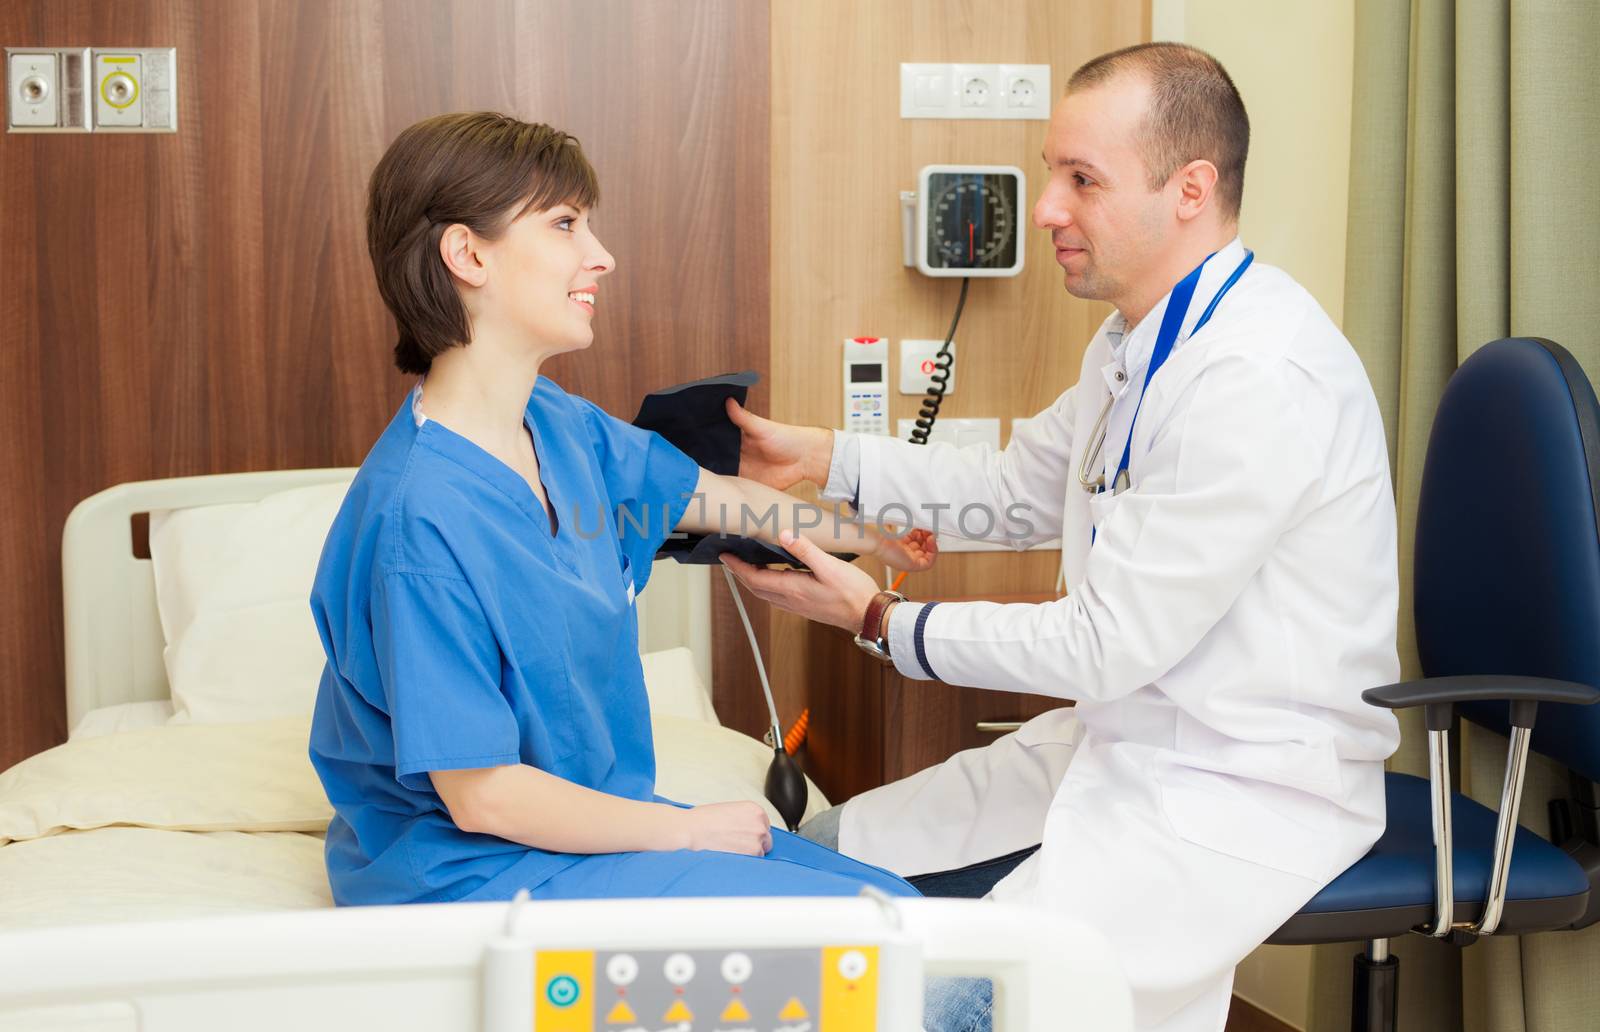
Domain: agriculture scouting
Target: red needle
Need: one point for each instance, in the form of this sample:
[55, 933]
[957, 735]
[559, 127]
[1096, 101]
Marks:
[969, 241]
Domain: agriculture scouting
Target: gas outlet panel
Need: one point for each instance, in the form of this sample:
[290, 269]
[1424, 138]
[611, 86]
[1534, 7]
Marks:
[135, 90]
[92, 89]
[45, 90]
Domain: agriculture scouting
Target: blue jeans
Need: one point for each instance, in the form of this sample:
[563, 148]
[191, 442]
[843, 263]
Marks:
[958, 1005]
[948, 1004]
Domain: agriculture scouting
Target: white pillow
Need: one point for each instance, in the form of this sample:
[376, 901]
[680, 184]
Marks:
[699, 763]
[674, 687]
[218, 777]
[125, 716]
[233, 584]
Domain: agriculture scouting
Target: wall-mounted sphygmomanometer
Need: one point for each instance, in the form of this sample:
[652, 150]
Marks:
[964, 220]
[961, 221]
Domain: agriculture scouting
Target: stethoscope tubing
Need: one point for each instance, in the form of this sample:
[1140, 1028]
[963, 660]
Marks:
[1093, 455]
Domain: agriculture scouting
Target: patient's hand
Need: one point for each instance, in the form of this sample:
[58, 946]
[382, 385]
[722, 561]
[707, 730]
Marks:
[740, 827]
[914, 551]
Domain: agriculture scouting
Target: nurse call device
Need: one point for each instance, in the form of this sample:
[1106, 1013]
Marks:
[866, 385]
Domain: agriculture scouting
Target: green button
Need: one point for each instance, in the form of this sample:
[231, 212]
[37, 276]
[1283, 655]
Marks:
[562, 991]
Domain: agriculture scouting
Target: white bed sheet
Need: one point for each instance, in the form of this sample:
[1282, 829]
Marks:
[146, 874]
[116, 872]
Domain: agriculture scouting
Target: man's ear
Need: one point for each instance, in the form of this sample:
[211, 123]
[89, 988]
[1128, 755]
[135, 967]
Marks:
[1197, 187]
[461, 248]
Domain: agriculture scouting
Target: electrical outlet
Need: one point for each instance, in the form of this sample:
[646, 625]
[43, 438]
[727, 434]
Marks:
[979, 87]
[974, 91]
[1025, 91]
[1020, 92]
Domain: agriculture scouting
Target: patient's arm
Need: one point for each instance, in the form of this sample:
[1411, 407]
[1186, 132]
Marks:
[744, 508]
[524, 804]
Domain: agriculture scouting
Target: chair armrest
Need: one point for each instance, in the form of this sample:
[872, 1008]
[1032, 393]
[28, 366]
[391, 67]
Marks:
[1440, 694]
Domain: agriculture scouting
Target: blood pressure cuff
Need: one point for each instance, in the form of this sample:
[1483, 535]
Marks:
[694, 418]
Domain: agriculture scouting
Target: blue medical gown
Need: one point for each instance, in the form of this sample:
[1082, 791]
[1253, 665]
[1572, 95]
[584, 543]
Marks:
[464, 629]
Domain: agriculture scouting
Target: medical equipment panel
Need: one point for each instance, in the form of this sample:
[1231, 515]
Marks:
[121, 90]
[851, 964]
[832, 989]
[866, 385]
[45, 90]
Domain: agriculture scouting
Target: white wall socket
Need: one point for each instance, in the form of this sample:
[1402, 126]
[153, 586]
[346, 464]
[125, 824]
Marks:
[975, 91]
[963, 433]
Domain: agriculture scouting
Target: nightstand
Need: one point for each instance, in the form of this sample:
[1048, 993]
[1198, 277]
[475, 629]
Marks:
[871, 726]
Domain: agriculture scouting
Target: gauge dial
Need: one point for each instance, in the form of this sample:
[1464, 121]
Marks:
[972, 221]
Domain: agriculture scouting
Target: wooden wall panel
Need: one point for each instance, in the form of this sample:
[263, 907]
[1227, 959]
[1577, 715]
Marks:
[202, 303]
[840, 155]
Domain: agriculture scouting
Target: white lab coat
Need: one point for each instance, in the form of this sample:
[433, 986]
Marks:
[1220, 766]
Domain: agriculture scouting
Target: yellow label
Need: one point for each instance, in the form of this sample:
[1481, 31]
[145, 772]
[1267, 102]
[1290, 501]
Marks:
[563, 991]
[621, 1014]
[794, 1010]
[735, 1011]
[678, 1012]
[849, 989]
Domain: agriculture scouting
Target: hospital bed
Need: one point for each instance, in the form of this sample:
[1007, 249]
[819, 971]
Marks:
[162, 870]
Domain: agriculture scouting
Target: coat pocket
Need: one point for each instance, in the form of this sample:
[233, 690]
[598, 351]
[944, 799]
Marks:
[1260, 823]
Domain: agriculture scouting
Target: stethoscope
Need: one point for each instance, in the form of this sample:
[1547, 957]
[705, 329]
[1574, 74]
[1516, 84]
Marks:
[1171, 323]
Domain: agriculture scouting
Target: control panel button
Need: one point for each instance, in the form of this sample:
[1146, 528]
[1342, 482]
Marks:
[622, 969]
[678, 969]
[852, 965]
[736, 968]
[562, 991]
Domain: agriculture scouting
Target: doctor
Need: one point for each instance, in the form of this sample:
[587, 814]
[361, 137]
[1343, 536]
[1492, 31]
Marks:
[1219, 480]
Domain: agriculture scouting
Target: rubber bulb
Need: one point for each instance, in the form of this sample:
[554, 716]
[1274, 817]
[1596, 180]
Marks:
[786, 788]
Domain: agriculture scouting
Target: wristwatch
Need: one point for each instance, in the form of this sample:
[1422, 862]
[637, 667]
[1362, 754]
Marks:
[874, 636]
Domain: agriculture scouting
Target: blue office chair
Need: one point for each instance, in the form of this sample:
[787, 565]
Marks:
[1507, 604]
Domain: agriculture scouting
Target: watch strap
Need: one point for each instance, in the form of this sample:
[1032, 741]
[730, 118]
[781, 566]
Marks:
[872, 625]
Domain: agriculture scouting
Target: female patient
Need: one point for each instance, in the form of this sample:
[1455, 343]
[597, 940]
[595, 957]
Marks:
[482, 723]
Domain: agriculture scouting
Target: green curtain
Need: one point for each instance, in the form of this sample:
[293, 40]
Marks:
[1474, 215]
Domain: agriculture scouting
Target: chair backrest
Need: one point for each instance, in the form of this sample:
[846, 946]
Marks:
[1508, 536]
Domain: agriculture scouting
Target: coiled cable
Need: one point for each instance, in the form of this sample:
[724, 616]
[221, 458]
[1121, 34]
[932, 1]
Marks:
[940, 376]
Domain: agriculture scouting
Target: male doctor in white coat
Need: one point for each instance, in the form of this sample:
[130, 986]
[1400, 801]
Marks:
[1229, 559]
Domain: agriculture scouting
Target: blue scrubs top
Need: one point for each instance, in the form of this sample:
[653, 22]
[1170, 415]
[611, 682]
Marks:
[464, 630]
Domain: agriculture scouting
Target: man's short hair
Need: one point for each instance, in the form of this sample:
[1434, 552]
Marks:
[1195, 112]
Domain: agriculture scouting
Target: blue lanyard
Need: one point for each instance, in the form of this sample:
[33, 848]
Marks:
[1171, 323]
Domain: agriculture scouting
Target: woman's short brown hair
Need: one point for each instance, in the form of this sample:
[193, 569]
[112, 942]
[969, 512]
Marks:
[481, 170]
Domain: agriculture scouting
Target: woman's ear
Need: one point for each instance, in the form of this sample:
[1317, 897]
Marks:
[460, 249]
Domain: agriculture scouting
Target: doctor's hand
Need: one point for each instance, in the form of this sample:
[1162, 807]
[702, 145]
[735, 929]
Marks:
[740, 827]
[780, 455]
[833, 592]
